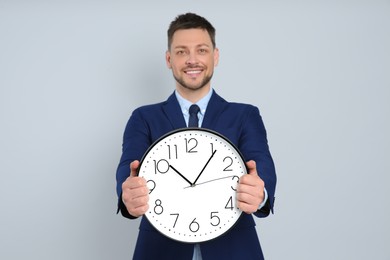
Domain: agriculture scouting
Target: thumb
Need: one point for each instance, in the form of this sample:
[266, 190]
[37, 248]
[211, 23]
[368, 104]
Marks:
[251, 166]
[133, 168]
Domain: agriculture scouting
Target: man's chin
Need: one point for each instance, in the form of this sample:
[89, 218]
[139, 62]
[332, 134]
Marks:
[193, 86]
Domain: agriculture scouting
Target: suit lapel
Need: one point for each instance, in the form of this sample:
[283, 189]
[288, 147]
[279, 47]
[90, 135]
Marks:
[214, 109]
[173, 112]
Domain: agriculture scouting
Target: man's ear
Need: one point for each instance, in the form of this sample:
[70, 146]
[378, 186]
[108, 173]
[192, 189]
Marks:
[168, 59]
[216, 57]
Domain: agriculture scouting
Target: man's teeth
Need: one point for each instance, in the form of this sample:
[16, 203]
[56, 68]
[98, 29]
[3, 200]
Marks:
[193, 72]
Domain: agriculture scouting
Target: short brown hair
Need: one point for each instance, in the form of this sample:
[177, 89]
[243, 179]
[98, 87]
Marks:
[190, 21]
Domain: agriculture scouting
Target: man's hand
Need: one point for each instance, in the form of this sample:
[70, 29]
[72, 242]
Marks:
[135, 193]
[250, 190]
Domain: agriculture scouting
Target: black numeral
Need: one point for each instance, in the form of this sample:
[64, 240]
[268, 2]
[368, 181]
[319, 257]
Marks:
[172, 153]
[229, 162]
[177, 216]
[191, 144]
[212, 148]
[235, 177]
[161, 166]
[194, 226]
[158, 209]
[151, 185]
[215, 220]
[229, 204]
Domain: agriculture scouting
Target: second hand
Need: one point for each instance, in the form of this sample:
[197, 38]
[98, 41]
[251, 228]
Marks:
[209, 181]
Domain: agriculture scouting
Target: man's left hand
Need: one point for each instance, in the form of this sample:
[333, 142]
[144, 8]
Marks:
[250, 190]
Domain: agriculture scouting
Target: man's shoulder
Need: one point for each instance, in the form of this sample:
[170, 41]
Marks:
[237, 106]
[149, 107]
[155, 106]
[233, 104]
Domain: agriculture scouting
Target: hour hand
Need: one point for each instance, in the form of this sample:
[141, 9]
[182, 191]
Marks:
[181, 175]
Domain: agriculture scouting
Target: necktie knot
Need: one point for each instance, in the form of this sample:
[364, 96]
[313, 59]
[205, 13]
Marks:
[194, 109]
[193, 121]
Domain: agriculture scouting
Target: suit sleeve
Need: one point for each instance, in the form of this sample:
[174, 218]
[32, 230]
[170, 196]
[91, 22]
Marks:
[254, 146]
[136, 140]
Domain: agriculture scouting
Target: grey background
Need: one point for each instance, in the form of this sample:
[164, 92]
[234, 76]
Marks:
[71, 72]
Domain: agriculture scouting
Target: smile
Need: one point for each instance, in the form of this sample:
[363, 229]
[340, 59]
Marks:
[193, 72]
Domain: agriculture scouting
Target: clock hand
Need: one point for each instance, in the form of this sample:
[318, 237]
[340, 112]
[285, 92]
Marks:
[204, 167]
[211, 181]
[173, 168]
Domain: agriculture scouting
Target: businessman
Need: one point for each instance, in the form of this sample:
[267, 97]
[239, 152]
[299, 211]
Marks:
[192, 55]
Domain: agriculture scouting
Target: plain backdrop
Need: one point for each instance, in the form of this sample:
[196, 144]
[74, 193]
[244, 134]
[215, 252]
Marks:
[71, 72]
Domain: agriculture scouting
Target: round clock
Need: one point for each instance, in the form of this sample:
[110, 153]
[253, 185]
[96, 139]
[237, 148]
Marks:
[192, 175]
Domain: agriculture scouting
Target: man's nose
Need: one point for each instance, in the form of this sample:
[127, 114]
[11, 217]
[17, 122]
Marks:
[191, 59]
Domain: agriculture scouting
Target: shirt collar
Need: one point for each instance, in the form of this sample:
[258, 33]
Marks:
[202, 103]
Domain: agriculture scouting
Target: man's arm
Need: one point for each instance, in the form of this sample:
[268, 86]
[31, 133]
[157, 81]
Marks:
[135, 143]
[254, 146]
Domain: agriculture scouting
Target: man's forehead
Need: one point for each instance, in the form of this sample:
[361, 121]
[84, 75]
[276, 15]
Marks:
[190, 38]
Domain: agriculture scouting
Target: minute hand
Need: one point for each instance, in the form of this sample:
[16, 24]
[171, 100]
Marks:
[204, 168]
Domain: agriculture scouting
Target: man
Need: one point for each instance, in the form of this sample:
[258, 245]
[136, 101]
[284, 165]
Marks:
[192, 56]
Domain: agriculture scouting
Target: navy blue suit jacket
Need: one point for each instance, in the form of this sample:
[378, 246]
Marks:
[243, 126]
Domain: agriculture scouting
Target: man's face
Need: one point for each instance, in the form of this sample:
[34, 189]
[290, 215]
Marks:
[192, 59]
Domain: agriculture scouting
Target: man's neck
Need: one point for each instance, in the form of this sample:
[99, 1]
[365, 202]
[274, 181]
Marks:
[193, 95]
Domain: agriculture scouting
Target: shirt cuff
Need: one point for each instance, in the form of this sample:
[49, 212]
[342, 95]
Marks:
[265, 199]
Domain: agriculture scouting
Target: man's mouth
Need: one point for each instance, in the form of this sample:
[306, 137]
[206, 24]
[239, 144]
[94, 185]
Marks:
[193, 72]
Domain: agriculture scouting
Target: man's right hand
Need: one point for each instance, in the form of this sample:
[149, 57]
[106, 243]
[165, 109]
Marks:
[135, 193]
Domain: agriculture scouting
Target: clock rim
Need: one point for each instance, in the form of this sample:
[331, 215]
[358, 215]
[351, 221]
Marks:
[185, 129]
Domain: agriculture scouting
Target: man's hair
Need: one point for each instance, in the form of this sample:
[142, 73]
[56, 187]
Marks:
[190, 21]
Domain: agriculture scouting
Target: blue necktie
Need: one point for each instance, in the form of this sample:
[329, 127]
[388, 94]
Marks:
[193, 121]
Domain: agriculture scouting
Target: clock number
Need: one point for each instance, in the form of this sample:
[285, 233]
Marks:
[175, 151]
[212, 148]
[152, 186]
[230, 162]
[194, 144]
[235, 177]
[177, 216]
[229, 204]
[214, 218]
[194, 226]
[158, 209]
[161, 166]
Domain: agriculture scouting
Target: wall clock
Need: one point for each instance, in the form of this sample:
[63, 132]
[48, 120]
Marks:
[192, 175]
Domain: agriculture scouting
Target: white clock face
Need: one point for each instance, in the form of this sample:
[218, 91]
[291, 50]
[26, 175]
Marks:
[192, 175]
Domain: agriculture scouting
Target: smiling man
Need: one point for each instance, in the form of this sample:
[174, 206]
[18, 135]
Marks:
[192, 56]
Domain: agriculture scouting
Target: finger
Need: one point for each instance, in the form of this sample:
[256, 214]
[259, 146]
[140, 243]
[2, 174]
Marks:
[135, 201]
[250, 184]
[249, 202]
[138, 211]
[247, 208]
[138, 206]
[131, 191]
[251, 165]
[134, 167]
[134, 182]
[249, 190]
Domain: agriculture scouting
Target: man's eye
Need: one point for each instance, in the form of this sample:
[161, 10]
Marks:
[202, 51]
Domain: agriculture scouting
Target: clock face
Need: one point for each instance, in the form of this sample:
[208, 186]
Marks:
[192, 175]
